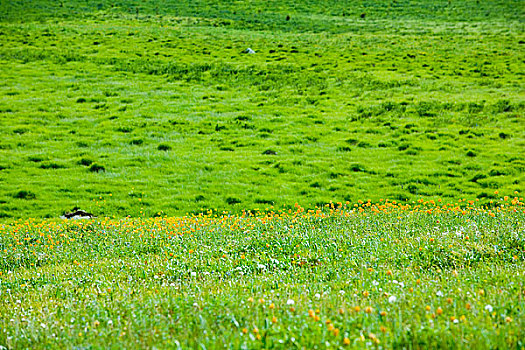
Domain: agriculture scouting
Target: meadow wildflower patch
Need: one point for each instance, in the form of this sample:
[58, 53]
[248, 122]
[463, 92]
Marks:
[343, 275]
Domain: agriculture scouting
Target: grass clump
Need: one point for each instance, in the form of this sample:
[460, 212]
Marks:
[24, 194]
[96, 168]
[85, 161]
[164, 147]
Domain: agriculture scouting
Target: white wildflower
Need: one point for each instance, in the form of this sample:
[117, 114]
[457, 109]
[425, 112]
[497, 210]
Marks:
[392, 299]
[439, 293]
[489, 308]
[290, 302]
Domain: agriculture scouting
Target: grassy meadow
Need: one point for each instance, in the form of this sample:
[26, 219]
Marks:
[357, 182]
[140, 108]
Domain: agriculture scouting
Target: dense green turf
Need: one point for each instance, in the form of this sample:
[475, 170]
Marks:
[402, 279]
[130, 108]
[147, 108]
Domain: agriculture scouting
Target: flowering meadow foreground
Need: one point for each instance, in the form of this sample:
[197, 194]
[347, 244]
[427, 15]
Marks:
[385, 275]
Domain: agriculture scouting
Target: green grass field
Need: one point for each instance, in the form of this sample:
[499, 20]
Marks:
[135, 108]
[397, 126]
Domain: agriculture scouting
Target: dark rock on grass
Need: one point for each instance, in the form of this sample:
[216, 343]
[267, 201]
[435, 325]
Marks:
[77, 214]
